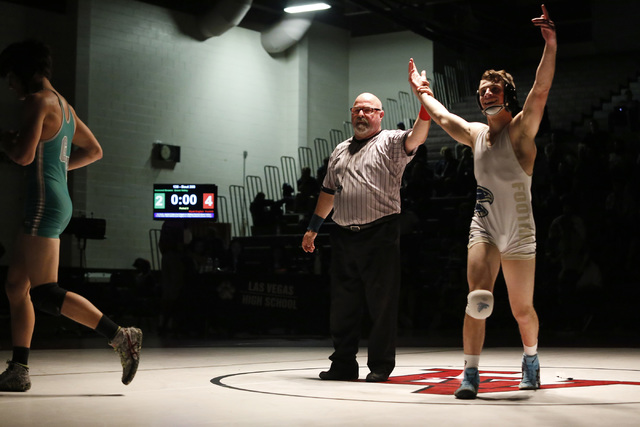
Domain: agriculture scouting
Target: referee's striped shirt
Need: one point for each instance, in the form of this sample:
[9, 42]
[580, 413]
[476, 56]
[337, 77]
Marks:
[366, 179]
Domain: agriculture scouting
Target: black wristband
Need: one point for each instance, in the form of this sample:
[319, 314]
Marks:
[315, 223]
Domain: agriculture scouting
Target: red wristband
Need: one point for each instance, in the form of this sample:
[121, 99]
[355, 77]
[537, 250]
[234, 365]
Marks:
[424, 114]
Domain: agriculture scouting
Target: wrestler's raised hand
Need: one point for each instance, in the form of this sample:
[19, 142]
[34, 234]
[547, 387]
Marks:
[547, 27]
[418, 81]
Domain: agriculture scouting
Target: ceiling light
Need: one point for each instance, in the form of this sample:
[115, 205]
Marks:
[311, 7]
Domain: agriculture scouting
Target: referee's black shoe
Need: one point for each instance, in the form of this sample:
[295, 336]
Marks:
[377, 377]
[335, 375]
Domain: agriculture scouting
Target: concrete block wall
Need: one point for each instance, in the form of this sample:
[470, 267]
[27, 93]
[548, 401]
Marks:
[328, 82]
[139, 78]
[379, 63]
[149, 82]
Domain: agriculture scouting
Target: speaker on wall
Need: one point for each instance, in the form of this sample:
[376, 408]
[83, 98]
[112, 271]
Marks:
[164, 156]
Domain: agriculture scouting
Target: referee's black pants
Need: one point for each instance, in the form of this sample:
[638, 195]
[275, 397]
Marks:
[365, 275]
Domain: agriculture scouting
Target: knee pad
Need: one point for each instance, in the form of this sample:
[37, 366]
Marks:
[48, 298]
[479, 304]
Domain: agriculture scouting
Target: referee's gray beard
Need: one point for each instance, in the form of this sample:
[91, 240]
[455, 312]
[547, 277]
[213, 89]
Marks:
[361, 126]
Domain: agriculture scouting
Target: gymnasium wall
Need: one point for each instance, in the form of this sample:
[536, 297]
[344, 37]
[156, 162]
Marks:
[140, 78]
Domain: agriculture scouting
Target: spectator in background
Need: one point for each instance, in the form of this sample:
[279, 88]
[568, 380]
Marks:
[620, 160]
[567, 245]
[264, 212]
[288, 200]
[465, 181]
[178, 269]
[597, 139]
[545, 124]
[322, 170]
[561, 160]
[578, 276]
[417, 188]
[308, 190]
[445, 172]
[145, 283]
[632, 107]
[625, 116]
[208, 249]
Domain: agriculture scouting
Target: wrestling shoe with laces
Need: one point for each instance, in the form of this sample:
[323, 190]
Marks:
[127, 343]
[530, 373]
[469, 387]
[15, 378]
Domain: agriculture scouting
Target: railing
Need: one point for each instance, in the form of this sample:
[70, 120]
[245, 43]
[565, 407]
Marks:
[273, 182]
[223, 209]
[239, 211]
[305, 156]
[449, 87]
[336, 136]
[289, 171]
[323, 149]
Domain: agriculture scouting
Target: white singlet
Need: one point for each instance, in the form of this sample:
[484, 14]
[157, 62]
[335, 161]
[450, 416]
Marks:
[502, 215]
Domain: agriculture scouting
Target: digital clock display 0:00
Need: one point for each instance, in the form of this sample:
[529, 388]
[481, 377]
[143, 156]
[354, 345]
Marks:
[186, 199]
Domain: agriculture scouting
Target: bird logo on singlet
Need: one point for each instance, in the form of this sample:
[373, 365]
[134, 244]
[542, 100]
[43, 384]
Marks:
[483, 195]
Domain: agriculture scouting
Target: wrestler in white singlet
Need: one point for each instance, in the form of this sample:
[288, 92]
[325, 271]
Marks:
[503, 215]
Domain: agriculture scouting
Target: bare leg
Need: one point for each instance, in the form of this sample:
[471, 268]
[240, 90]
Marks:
[473, 333]
[483, 265]
[520, 277]
[81, 310]
[23, 317]
[35, 261]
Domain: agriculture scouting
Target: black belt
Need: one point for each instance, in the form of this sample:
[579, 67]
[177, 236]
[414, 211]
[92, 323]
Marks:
[356, 228]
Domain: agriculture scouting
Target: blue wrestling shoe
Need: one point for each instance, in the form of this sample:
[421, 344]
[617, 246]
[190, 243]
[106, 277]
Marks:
[530, 373]
[469, 387]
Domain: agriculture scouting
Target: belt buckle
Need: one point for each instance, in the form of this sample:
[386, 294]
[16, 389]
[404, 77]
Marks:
[354, 227]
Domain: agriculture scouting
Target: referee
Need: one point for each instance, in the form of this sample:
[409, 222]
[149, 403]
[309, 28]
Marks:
[362, 186]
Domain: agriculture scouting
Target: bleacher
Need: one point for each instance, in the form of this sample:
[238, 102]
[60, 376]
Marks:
[452, 87]
[583, 88]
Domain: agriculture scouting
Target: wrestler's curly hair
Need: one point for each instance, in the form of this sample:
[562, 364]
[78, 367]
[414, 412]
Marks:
[498, 76]
[25, 59]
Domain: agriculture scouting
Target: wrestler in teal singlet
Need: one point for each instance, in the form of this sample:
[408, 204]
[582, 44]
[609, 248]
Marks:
[48, 206]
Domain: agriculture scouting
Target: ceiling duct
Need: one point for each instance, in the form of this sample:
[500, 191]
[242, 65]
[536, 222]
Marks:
[284, 34]
[223, 16]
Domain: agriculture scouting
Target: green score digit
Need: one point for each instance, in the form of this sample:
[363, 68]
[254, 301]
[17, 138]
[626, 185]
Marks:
[158, 201]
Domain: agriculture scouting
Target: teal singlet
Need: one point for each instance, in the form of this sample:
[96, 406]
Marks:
[48, 206]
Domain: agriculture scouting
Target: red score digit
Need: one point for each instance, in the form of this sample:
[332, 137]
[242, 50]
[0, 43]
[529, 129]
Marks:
[207, 200]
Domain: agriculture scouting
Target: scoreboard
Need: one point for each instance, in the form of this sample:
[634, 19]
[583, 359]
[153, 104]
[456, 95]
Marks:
[185, 201]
